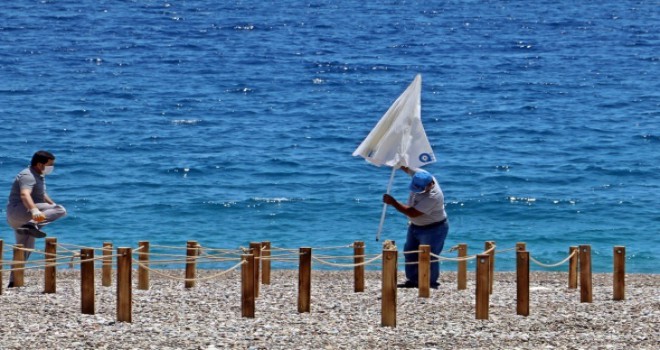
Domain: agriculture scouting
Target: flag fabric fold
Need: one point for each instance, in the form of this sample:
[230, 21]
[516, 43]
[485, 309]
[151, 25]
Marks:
[399, 139]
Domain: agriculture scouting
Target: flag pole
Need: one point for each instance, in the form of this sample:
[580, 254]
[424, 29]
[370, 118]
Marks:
[382, 215]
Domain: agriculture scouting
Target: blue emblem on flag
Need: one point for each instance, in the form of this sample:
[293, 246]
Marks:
[425, 158]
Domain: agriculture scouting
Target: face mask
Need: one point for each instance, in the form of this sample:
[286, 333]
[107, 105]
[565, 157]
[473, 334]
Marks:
[48, 169]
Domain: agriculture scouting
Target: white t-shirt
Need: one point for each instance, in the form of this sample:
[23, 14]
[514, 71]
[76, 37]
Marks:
[431, 203]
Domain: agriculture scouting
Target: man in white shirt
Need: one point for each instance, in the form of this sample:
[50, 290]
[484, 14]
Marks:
[428, 222]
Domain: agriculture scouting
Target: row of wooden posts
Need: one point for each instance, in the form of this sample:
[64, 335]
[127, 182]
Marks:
[260, 251]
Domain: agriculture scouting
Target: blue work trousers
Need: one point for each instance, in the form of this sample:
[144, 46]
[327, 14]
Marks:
[433, 236]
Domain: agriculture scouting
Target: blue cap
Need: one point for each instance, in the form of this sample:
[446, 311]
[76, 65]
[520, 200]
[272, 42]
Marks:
[420, 180]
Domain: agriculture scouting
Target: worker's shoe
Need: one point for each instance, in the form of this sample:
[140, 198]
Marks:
[32, 230]
[408, 284]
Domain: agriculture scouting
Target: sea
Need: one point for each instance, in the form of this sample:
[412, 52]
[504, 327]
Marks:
[230, 122]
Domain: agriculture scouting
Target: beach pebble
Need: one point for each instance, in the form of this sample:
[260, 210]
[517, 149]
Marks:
[208, 316]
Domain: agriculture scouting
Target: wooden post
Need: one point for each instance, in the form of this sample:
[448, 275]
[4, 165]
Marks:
[305, 280]
[19, 265]
[521, 247]
[256, 251]
[462, 267]
[522, 282]
[424, 271]
[124, 278]
[388, 298]
[483, 274]
[87, 281]
[585, 274]
[191, 253]
[247, 286]
[50, 271]
[619, 275]
[491, 272]
[573, 268]
[106, 274]
[358, 271]
[143, 258]
[265, 262]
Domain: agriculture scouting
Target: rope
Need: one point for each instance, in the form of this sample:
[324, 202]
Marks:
[235, 253]
[412, 252]
[214, 259]
[491, 249]
[13, 262]
[335, 247]
[82, 247]
[348, 265]
[505, 250]
[553, 265]
[32, 250]
[47, 264]
[283, 249]
[192, 279]
[150, 262]
[340, 256]
[168, 246]
[220, 256]
[65, 249]
[160, 254]
[465, 258]
[227, 251]
[279, 259]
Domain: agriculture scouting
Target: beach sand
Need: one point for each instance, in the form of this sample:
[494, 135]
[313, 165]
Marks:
[208, 316]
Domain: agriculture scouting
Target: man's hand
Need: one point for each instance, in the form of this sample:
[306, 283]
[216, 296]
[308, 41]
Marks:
[37, 215]
[387, 199]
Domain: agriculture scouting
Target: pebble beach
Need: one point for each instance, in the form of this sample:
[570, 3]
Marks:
[208, 316]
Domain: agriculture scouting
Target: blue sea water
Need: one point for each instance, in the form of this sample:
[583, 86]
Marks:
[234, 121]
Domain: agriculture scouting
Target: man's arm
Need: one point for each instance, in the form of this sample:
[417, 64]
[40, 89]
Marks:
[407, 170]
[47, 199]
[402, 208]
[26, 198]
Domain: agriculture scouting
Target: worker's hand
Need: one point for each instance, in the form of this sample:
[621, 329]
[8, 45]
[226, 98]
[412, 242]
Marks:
[37, 215]
[387, 199]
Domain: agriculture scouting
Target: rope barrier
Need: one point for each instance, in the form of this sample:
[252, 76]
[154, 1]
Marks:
[215, 258]
[235, 254]
[82, 247]
[335, 247]
[348, 265]
[64, 248]
[446, 258]
[466, 258]
[32, 250]
[283, 249]
[168, 246]
[227, 251]
[48, 264]
[278, 259]
[193, 279]
[341, 256]
[161, 254]
[552, 265]
[504, 250]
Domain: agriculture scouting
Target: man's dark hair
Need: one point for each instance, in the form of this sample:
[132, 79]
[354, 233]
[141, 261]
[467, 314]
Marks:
[41, 157]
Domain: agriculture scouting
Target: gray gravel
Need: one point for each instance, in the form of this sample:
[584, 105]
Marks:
[209, 316]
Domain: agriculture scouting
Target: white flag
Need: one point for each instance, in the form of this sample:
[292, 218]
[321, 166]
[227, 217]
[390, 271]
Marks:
[399, 138]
